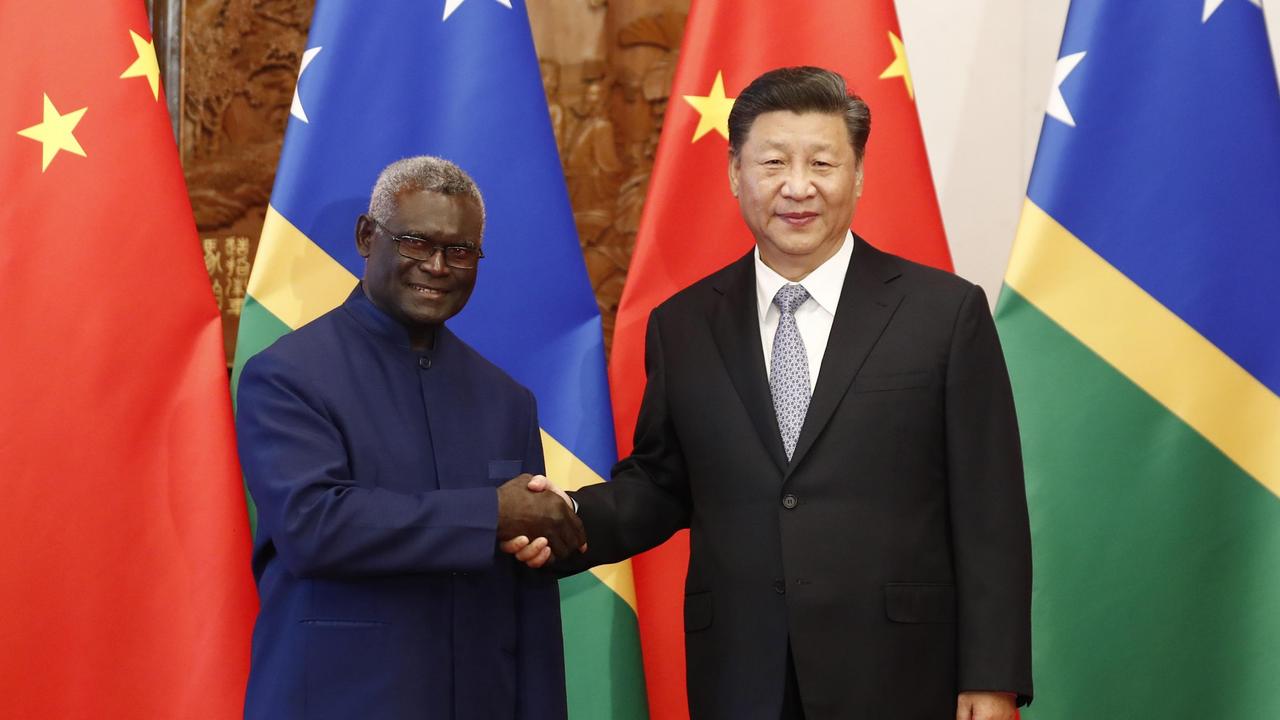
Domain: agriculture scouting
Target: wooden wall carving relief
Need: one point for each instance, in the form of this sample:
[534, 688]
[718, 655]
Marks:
[607, 67]
[239, 62]
[607, 84]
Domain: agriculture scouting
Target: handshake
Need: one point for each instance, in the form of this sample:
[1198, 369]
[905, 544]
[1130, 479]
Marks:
[535, 525]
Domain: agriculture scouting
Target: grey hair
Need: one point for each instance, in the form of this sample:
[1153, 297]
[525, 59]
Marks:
[420, 173]
[800, 90]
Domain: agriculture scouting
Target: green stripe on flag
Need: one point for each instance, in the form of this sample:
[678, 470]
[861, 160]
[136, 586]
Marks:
[601, 652]
[258, 329]
[1155, 571]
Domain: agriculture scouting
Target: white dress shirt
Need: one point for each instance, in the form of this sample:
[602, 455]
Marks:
[814, 316]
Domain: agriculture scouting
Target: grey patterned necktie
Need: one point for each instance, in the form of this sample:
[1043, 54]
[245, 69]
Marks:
[789, 367]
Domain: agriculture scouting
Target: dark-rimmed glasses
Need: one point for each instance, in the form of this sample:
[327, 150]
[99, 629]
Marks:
[460, 257]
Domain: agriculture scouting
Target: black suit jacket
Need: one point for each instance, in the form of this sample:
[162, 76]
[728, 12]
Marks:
[892, 553]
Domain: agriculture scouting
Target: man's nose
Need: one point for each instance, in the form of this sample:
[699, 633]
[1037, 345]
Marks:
[798, 184]
[435, 263]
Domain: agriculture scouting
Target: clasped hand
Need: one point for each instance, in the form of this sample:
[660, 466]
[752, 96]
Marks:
[535, 525]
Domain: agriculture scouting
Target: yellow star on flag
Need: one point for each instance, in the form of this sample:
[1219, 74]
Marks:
[899, 66]
[146, 65]
[55, 132]
[713, 110]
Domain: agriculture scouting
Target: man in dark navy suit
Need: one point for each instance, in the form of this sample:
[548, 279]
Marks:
[387, 459]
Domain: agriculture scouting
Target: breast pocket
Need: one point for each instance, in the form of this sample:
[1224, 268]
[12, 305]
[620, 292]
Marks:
[891, 381]
[501, 471]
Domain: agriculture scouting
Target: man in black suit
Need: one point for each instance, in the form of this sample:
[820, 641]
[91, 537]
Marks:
[835, 426]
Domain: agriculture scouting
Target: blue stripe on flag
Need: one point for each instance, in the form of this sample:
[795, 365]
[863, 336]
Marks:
[1172, 173]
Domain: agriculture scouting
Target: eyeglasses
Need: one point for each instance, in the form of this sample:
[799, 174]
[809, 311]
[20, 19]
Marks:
[460, 257]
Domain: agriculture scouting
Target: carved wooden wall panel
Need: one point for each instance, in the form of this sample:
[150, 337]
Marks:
[239, 62]
[607, 67]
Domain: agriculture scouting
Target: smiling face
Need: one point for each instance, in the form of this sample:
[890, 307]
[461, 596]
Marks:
[420, 295]
[797, 181]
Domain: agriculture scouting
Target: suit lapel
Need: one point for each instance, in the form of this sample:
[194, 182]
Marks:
[867, 301]
[736, 327]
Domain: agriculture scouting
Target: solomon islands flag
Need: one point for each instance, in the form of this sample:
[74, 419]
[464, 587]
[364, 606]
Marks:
[1141, 321]
[459, 79]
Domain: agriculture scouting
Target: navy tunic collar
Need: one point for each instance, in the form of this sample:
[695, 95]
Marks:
[382, 325]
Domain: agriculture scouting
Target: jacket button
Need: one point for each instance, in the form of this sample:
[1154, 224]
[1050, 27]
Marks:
[424, 363]
[779, 587]
[789, 501]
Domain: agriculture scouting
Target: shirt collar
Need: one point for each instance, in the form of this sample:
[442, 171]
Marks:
[824, 284]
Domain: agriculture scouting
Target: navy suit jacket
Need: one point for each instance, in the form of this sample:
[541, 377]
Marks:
[374, 470]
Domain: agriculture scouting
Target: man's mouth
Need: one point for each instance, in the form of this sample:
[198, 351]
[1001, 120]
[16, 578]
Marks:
[426, 291]
[798, 219]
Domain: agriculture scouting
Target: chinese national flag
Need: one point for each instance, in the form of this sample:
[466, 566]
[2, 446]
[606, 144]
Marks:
[125, 589]
[692, 227]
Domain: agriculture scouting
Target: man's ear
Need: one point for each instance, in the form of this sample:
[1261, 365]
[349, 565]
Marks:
[735, 164]
[857, 182]
[364, 235]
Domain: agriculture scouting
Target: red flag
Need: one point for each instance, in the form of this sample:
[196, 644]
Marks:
[692, 227]
[124, 542]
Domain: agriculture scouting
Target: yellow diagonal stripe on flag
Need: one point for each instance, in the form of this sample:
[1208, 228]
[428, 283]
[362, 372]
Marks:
[569, 473]
[292, 277]
[1148, 343]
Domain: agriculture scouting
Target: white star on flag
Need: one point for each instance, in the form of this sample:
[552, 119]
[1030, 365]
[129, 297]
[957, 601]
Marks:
[296, 109]
[451, 5]
[1211, 6]
[1058, 109]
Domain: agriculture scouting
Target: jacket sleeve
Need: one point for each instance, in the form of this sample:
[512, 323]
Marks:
[647, 498]
[320, 521]
[991, 538]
